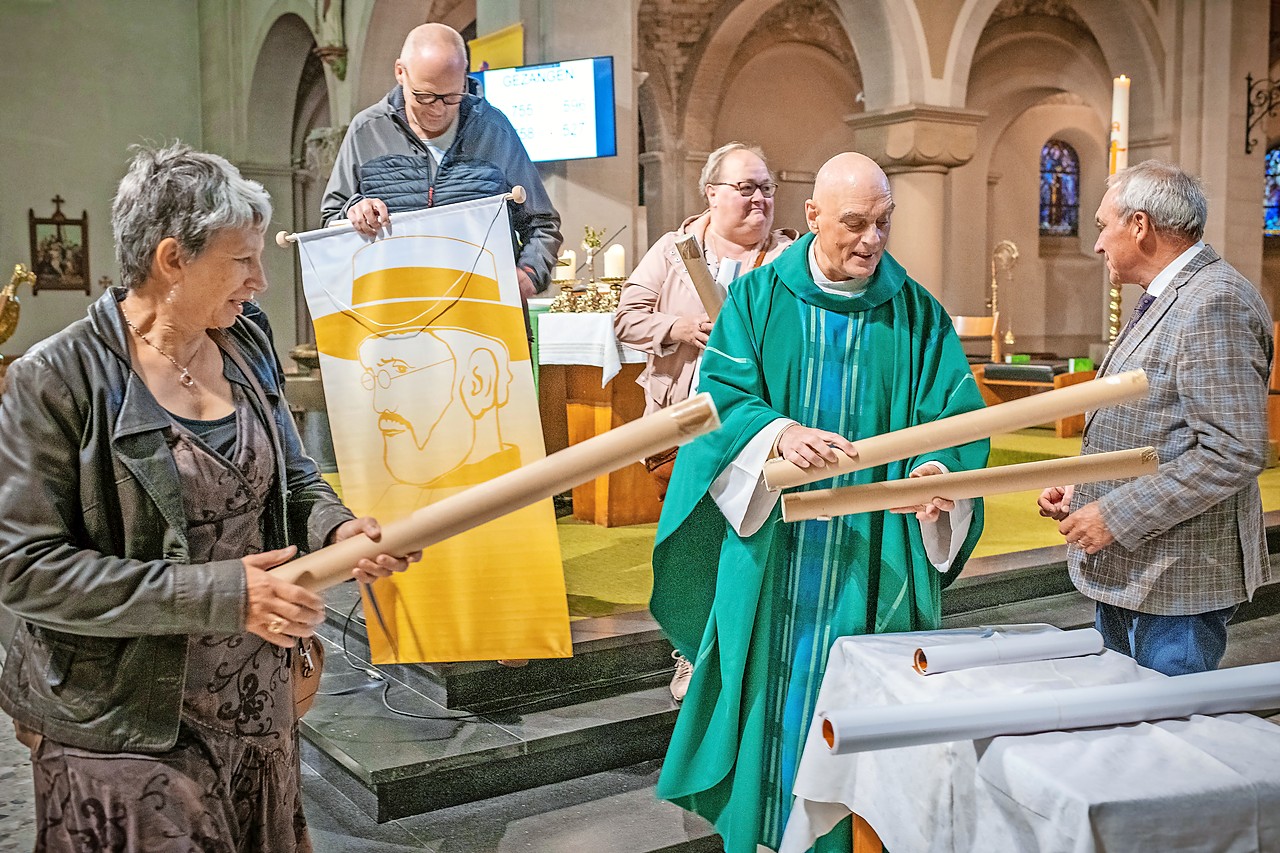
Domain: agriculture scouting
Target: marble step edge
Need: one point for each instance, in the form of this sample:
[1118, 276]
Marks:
[615, 665]
[424, 785]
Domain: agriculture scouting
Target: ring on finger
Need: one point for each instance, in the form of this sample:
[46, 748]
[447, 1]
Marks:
[276, 625]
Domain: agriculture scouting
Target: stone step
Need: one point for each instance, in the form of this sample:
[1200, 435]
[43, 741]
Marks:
[392, 765]
[611, 654]
[615, 811]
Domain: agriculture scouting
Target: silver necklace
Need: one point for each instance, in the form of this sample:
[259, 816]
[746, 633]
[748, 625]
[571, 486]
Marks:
[186, 379]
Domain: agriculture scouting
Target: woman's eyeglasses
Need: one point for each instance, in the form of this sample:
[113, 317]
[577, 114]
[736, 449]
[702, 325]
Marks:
[748, 188]
[426, 99]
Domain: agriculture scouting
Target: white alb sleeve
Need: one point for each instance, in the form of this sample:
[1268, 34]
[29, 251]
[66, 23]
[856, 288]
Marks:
[740, 491]
[943, 538]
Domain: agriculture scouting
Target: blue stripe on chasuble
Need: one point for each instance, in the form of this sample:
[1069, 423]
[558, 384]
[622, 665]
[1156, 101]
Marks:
[807, 591]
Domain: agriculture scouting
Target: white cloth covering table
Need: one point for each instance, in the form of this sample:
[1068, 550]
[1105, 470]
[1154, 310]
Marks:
[583, 339]
[1198, 784]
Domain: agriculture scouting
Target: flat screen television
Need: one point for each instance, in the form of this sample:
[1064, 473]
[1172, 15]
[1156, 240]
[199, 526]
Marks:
[562, 110]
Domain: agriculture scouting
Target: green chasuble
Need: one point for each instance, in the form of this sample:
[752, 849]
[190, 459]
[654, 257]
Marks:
[758, 614]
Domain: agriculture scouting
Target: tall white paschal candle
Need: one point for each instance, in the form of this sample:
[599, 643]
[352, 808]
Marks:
[1119, 124]
[615, 262]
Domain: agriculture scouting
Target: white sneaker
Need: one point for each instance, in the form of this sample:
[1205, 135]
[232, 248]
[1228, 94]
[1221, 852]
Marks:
[684, 672]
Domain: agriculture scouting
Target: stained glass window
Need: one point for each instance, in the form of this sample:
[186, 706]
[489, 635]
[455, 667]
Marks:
[1059, 189]
[1271, 195]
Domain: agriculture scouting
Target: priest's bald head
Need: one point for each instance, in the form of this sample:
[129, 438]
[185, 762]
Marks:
[849, 213]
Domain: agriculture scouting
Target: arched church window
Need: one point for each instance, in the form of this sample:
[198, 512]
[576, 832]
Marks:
[1271, 195]
[1059, 189]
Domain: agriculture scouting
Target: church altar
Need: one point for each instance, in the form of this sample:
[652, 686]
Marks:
[1207, 782]
[587, 386]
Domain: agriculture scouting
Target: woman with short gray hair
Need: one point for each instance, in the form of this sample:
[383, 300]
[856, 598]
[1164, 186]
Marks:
[152, 477]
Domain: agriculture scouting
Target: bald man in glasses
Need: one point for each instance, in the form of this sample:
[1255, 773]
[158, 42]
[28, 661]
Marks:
[431, 142]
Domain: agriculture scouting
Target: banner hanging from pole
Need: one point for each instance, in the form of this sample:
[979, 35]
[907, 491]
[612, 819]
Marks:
[424, 357]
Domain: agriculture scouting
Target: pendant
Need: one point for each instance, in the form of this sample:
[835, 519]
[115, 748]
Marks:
[186, 379]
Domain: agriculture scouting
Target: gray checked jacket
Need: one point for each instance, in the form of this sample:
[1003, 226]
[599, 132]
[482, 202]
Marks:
[1189, 538]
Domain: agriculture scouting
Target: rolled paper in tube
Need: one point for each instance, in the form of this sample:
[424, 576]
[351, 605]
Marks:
[1243, 688]
[696, 266]
[875, 497]
[573, 466]
[988, 651]
[967, 427]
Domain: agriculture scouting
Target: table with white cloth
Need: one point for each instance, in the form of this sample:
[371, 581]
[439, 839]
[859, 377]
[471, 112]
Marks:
[587, 386]
[1203, 783]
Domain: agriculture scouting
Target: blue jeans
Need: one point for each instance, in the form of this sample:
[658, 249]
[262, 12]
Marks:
[1174, 645]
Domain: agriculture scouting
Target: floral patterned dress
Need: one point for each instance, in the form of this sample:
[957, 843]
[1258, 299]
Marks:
[232, 780]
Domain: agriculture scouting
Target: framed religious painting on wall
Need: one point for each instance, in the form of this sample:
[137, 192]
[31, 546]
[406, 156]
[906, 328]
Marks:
[59, 250]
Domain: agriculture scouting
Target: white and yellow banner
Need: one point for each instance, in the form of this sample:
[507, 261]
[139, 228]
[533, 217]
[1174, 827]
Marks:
[426, 370]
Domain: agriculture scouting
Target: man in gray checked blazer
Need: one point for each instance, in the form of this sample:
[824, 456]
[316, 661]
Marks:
[1169, 557]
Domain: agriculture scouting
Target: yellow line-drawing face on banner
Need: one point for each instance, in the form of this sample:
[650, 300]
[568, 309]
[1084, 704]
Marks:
[440, 440]
[435, 346]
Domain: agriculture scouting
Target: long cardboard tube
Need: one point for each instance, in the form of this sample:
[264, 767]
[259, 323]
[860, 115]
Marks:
[970, 426]
[696, 266]
[1242, 688]
[673, 426]
[875, 497]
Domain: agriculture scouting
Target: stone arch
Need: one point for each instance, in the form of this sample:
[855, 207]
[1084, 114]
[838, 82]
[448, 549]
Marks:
[710, 61]
[801, 99]
[1034, 76]
[1126, 33]
[280, 56]
[889, 42]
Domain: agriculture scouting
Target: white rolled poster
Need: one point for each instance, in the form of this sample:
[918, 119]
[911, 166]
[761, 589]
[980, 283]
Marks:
[1000, 648]
[1244, 688]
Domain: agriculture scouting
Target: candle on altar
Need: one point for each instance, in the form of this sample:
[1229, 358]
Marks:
[1119, 123]
[615, 262]
[567, 267]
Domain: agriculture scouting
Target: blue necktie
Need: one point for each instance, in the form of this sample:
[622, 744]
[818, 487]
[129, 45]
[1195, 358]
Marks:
[1141, 308]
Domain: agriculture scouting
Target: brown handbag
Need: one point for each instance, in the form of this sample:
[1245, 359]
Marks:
[308, 664]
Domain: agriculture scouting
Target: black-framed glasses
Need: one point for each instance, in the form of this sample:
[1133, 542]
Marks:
[747, 189]
[426, 99]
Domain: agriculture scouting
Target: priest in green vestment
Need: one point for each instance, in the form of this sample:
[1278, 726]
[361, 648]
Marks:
[831, 342]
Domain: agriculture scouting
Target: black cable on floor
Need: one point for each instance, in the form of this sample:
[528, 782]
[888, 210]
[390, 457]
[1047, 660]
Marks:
[371, 671]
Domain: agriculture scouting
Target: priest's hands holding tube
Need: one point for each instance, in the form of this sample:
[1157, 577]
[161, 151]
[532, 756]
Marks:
[368, 571]
[813, 448]
[931, 511]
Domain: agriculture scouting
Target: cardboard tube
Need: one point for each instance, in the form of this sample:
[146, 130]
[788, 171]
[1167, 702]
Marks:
[876, 497]
[988, 651]
[1242, 688]
[696, 266]
[673, 426]
[970, 426]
